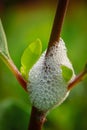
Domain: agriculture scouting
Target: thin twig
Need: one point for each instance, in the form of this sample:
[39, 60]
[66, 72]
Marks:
[17, 74]
[58, 22]
[77, 80]
[19, 77]
[37, 119]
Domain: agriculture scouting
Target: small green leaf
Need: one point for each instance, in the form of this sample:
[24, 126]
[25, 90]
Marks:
[4, 53]
[66, 73]
[30, 56]
[3, 43]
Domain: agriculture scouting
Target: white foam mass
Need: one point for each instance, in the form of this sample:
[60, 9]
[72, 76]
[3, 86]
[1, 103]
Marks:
[47, 88]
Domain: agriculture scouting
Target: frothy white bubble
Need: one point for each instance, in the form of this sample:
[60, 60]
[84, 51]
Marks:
[46, 87]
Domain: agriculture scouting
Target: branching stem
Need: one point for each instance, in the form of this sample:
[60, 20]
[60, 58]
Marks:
[77, 79]
[16, 72]
[18, 76]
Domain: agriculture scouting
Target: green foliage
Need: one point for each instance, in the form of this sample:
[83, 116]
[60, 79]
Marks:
[13, 116]
[30, 56]
[4, 54]
[22, 27]
[3, 42]
[66, 73]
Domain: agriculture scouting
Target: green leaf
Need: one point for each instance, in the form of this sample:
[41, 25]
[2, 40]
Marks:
[30, 56]
[3, 43]
[4, 53]
[66, 73]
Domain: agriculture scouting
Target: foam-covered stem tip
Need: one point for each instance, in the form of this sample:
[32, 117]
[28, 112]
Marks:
[47, 87]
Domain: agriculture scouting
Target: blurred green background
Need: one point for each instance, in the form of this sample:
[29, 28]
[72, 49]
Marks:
[24, 22]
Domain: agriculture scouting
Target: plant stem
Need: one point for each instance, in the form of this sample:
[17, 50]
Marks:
[18, 76]
[15, 71]
[58, 22]
[77, 80]
[37, 119]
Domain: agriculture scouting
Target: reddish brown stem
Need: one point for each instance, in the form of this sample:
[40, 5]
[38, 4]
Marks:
[8, 61]
[17, 74]
[58, 22]
[77, 80]
[20, 78]
[37, 119]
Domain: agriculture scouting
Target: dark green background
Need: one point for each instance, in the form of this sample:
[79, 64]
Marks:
[24, 23]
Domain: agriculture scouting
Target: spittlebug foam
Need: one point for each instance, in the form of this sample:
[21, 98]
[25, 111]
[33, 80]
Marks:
[47, 87]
